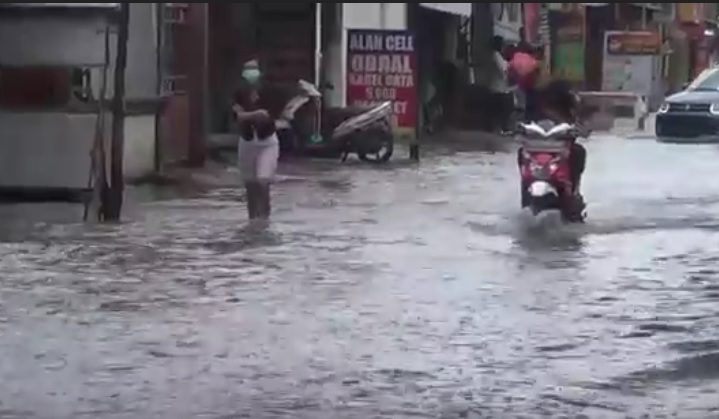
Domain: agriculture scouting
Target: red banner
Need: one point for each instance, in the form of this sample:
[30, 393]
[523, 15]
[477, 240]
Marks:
[531, 22]
[382, 67]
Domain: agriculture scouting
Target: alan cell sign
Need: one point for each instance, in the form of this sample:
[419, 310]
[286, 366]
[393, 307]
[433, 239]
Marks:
[382, 67]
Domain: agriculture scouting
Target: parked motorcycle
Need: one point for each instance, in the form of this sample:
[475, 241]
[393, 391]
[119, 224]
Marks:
[545, 170]
[336, 132]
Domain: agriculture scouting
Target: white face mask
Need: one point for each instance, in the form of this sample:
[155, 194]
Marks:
[251, 75]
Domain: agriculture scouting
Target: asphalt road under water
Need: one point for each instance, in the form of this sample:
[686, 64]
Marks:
[404, 292]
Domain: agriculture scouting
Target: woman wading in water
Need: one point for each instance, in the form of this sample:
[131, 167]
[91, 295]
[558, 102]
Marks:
[258, 147]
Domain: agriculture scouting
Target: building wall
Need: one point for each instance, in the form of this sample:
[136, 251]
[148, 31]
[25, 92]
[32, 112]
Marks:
[51, 148]
[78, 41]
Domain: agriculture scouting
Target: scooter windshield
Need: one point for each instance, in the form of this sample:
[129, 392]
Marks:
[544, 146]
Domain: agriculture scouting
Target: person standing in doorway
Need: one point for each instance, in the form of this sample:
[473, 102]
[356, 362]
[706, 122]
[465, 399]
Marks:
[258, 146]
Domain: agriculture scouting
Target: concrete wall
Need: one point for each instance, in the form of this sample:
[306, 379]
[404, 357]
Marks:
[79, 41]
[141, 73]
[139, 151]
[51, 149]
[45, 150]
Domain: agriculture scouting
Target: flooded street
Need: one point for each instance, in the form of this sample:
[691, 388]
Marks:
[402, 292]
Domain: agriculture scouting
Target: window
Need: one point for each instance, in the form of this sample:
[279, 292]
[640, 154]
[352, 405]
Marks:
[707, 81]
[31, 88]
[173, 21]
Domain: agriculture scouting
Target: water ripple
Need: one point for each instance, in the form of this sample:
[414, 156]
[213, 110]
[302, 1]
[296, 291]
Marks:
[404, 292]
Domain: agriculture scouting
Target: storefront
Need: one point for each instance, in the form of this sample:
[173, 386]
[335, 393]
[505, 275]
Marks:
[690, 19]
[442, 31]
[568, 52]
[292, 41]
[508, 21]
[632, 63]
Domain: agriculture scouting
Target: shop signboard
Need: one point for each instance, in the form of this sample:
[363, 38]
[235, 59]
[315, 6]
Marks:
[382, 67]
[632, 63]
[689, 12]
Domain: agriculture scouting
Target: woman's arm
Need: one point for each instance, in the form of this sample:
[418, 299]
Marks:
[243, 115]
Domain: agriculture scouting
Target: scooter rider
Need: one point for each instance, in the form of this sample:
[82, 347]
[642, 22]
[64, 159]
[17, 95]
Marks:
[525, 70]
[558, 103]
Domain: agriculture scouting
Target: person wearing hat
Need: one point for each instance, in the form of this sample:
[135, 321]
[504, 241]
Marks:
[258, 147]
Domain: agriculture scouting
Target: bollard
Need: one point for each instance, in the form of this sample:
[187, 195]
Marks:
[414, 151]
[641, 111]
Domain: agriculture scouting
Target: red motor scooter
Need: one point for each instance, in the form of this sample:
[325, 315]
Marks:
[545, 170]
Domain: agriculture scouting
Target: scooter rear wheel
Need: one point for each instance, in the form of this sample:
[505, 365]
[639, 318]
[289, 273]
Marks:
[383, 150]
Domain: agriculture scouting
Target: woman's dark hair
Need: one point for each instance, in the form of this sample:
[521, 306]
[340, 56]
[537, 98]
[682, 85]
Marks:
[558, 95]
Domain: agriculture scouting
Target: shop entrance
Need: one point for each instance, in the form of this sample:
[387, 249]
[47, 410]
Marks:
[282, 36]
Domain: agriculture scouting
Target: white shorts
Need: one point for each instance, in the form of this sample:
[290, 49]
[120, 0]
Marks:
[257, 160]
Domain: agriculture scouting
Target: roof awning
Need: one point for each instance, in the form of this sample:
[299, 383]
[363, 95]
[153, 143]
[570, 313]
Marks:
[64, 5]
[462, 9]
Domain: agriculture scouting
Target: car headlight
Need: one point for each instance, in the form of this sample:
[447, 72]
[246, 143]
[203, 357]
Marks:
[714, 109]
[664, 108]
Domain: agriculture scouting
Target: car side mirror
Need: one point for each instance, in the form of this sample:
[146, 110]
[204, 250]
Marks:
[685, 86]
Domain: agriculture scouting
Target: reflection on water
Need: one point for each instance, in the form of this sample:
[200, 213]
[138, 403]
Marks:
[374, 293]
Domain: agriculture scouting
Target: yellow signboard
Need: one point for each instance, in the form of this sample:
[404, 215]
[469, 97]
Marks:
[689, 12]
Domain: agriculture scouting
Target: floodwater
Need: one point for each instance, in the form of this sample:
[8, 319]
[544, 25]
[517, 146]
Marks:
[401, 292]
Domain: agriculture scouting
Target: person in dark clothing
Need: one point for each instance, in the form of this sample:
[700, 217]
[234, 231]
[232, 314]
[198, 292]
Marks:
[501, 101]
[558, 103]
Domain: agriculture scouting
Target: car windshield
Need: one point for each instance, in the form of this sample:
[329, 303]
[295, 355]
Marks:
[708, 80]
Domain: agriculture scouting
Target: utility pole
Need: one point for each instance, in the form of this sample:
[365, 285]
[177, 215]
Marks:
[113, 209]
[482, 33]
[483, 65]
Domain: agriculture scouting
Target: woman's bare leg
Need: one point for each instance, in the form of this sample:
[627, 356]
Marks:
[253, 200]
[268, 201]
[264, 199]
[266, 168]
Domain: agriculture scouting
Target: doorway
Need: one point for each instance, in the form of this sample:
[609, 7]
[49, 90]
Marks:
[279, 35]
